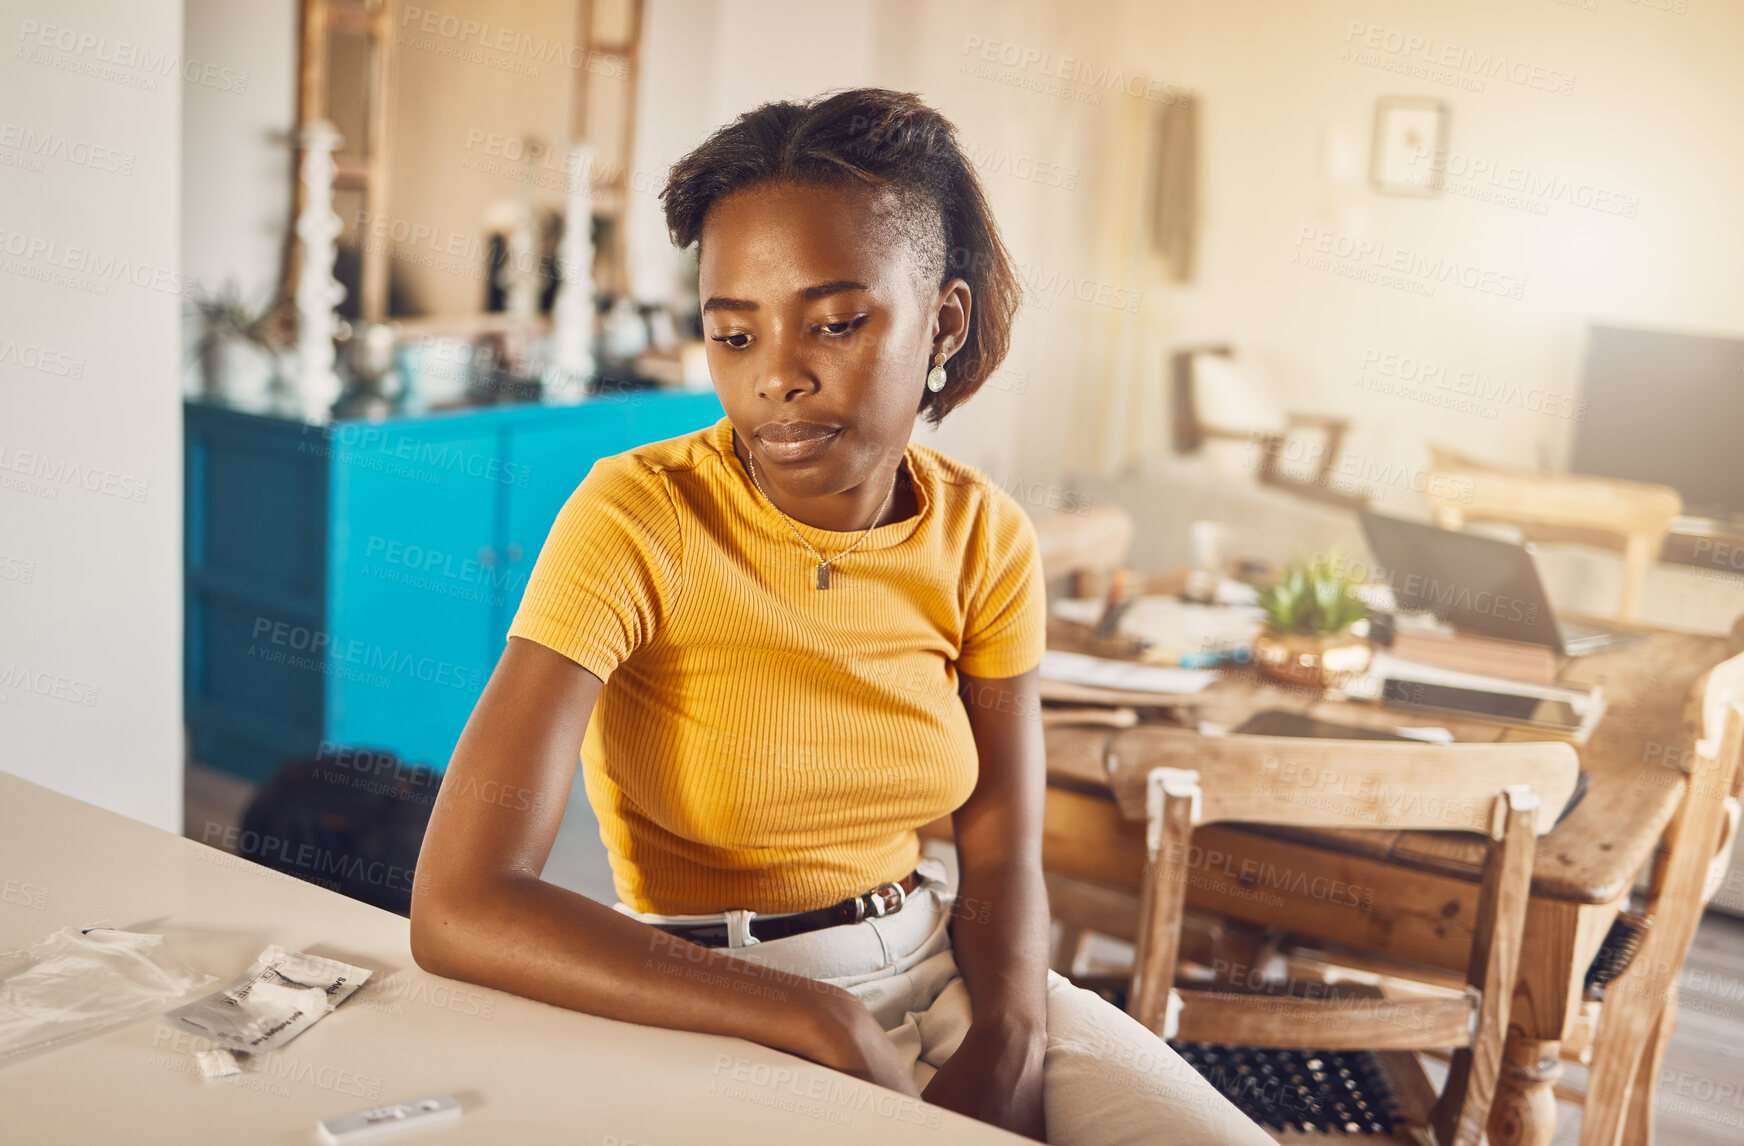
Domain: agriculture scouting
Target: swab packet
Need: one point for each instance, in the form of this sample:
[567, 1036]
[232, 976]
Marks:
[280, 996]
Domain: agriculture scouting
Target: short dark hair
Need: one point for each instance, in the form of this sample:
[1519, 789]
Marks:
[879, 138]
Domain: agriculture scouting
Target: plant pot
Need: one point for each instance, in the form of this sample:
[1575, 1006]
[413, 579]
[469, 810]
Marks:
[238, 371]
[1311, 660]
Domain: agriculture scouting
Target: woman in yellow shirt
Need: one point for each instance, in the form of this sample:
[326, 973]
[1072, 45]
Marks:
[781, 644]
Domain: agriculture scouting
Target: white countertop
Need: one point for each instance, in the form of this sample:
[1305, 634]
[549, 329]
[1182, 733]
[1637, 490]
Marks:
[525, 1072]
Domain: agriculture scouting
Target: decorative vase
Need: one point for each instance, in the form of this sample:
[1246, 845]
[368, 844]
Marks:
[238, 372]
[1311, 660]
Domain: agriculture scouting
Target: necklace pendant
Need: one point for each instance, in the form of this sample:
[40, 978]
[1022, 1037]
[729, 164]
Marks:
[823, 574]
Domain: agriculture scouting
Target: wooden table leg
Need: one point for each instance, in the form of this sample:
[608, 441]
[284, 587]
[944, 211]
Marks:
[1240, 951]
[1524, 1113]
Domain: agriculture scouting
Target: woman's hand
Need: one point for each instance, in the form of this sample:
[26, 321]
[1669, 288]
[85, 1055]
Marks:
[852, 1042]
[996, 1076]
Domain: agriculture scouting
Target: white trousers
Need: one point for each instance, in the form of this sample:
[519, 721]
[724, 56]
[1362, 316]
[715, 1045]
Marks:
[1106, 1080]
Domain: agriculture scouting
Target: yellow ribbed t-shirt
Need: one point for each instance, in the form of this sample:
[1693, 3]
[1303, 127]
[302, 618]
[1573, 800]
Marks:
[760, 743]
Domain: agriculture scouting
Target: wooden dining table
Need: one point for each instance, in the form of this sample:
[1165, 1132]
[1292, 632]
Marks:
[1417, 891]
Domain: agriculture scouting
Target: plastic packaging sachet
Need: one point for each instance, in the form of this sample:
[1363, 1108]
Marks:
[79, 981]
[280, 996]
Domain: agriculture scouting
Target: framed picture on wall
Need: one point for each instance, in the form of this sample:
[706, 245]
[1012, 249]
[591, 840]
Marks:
[1410, 145]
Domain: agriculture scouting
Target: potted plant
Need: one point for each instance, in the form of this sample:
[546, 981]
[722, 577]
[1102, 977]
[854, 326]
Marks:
[1309, 617]
[239, 344]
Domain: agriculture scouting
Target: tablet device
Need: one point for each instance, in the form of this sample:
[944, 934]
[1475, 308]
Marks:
[1544, 713]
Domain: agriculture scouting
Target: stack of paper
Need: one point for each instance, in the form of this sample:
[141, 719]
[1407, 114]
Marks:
[1169, 623]
[1099, 672]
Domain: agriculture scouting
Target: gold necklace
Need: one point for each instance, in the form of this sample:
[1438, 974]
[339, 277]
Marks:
[823, 568]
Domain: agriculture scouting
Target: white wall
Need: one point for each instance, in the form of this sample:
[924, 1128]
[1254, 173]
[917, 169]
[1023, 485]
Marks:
[1651, 119]
[90, 440]
[236, 145]
[673, 114]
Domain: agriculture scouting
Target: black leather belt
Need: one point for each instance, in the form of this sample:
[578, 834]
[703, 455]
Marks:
[886, 899]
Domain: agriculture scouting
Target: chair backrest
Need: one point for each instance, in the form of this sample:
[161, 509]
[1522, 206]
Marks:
[1189, 429]
[1223, 410]
[1487, 492]
[1633, 517]
[1711, 719]
[1714, 762]
[1175, 780]
[1404, 785]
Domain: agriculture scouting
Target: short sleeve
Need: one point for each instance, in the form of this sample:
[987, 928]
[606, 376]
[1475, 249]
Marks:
[1005, 629]
[610, 570]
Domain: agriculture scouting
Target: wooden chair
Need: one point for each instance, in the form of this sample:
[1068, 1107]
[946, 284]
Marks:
[1085, 548]
[1630, 517]
[1639, 1009]
[1173, 780]
[1190, 432]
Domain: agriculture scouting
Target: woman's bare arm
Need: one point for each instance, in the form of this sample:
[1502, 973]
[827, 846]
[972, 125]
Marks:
[1001, 925]
[481, 913]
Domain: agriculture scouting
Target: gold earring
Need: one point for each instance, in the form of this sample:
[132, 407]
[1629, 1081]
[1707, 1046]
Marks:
[936, 376]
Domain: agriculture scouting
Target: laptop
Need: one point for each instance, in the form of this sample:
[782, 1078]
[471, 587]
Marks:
[1480, 585]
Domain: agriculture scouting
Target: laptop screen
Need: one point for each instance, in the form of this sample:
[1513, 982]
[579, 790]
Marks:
[1477, 584]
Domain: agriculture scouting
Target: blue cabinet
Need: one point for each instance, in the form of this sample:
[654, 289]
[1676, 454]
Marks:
[352, 584]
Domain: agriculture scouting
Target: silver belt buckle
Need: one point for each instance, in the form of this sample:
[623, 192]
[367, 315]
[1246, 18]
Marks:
[882, 907]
